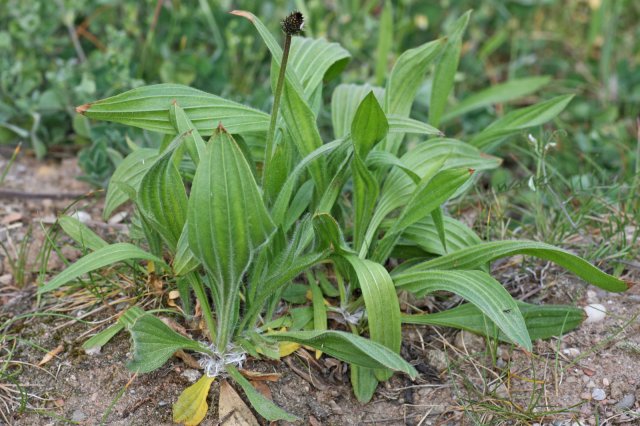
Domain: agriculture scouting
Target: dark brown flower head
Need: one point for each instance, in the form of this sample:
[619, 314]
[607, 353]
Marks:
[292, 24]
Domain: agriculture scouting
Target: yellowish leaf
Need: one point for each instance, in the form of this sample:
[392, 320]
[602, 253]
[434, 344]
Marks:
[287, 348]
[191, 407]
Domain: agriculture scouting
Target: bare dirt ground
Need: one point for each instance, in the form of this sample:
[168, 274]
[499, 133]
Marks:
[590, 376]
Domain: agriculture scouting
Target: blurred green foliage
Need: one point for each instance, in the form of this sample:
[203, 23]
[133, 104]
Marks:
[55, 55]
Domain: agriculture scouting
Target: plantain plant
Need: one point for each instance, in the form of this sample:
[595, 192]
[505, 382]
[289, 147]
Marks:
[233, 221]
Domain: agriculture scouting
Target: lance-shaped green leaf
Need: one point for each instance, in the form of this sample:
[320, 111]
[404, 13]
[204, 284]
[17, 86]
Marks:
[345, 101]
[99, 259]
[364, 382]
[381, 301]
[385, 41]
[301, 125]
[103, 337]
[369, 125]
[148, 108]
[520, 119]
[478, 288]
[349, 348]
[154, 343]
[445, 71]
[404, 81]
[162, 198]
[265, 407]
[227, 219]
[365, 195]
[130, 172]
[543, 321]
[81, 233]
[475, 256]
[227, 222]
[500, 93]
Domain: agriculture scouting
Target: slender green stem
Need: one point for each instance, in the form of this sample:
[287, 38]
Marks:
[268, 152]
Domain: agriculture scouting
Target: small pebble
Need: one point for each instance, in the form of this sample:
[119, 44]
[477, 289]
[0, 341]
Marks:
[592, 297]
[591, 384]
[585, 395]
[93, 351]
[78, 416]
[605, 382]
[83, 217]
[626, 402]
[571, 352]
[598, 394]
[595, 313]
[191, 375]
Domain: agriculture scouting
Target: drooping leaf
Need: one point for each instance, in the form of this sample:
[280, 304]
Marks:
[518, 120]
[154, 343]
[148, 108]
[191, 407]
[478, 288]
[475, 256]
[99, 259]
[543, 321]
[349, 348]
[500, 93]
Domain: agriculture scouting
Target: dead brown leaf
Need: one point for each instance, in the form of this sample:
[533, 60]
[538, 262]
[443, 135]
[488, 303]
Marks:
[49, 355]
[232, 410]
[258, 376]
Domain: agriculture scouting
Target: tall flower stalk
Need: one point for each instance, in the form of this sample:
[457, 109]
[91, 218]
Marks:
[291, 25]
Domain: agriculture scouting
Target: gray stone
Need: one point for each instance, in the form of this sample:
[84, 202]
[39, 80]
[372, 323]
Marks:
[78, 416]
[626, 402]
